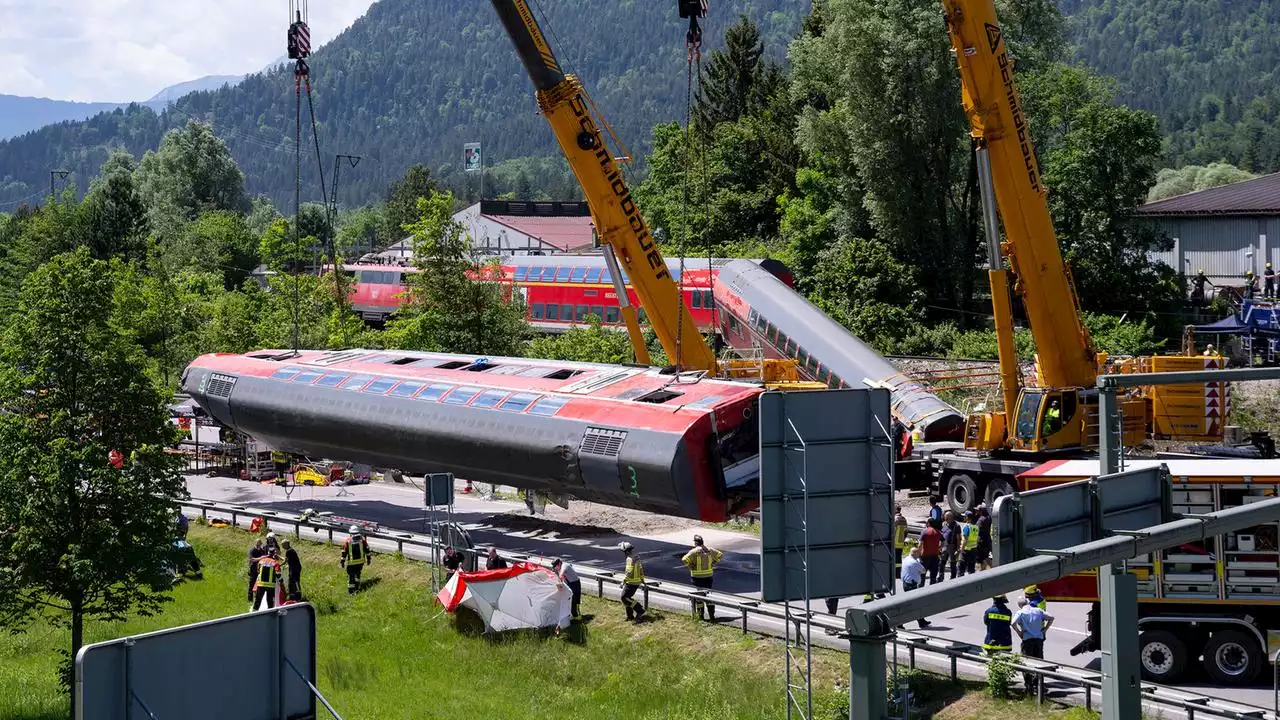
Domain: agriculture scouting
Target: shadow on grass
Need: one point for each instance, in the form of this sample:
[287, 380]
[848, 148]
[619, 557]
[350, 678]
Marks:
[368, 584]
[470, 624]
[47, 715]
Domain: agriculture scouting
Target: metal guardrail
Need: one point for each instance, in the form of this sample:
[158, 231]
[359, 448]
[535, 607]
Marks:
[951, 652]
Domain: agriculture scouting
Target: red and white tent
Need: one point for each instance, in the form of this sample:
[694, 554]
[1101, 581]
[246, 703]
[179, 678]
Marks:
[522, 596]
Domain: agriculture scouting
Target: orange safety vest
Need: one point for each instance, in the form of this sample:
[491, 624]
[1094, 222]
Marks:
[268, 572]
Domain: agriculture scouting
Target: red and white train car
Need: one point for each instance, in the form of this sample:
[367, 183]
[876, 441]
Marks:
[619, 435]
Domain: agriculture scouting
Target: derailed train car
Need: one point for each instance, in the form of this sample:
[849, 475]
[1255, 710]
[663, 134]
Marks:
[619, 435]
[760, 313]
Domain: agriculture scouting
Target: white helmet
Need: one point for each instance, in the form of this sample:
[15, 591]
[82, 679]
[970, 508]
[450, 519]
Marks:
[354, 530]
[625, 546]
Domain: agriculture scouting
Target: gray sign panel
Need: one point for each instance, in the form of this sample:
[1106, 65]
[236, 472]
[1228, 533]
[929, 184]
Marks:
[826, 489]
[437, 489]
[1074, 513]
[229, 668]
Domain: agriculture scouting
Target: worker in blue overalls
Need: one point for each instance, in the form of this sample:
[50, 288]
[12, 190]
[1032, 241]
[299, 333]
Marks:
[998, 618]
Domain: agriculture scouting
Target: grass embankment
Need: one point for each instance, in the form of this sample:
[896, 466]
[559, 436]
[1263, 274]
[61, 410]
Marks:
[389, 652]
[977, 706]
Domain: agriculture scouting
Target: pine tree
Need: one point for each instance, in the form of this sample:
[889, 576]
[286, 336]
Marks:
[738, 80]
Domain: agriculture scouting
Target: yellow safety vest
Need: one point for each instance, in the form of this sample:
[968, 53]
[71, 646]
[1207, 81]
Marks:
[268, 571]
[701, 561]
[635, 572]
[355, 552]
[970, 533]
[277, 457]
[899, 536]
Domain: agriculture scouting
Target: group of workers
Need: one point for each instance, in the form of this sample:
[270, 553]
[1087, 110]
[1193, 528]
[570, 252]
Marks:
[945, 546]
[1250, 291]
[267, 577]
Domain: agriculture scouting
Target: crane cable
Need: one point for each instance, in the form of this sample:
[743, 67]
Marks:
[297, 199]
[693, 46]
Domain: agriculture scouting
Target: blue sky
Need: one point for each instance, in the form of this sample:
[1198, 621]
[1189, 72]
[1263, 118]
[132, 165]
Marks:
[121, 50]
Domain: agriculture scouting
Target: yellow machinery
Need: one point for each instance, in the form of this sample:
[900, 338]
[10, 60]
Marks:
[622, 230]
[1062, 413]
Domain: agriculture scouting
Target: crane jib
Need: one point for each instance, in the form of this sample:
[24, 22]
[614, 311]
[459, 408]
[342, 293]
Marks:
[1019, 120]
[620, 190]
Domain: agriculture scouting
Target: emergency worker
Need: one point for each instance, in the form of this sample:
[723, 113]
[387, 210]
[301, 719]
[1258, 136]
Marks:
[632, 581]
[268, 580]
[701, 561]
[355, 555]
[997, 618]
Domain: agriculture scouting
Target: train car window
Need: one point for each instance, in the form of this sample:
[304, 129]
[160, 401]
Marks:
[771, 332]
[285, 373]
[581, 313]
[566, 312]
[547, 406]
[536, 311]
[553, 311]
[380, 386]
[834, 381]
[598, 311]
[507, 369]
[579, 274]
[562, 274]
[611, 314]
[753, 318]
[658, 396]
[307, 376]
[561, 374]
[823, 373]
[490, 398]
[453, 365]
[407, 389]
[403, 278]
[590, 293]
[812, 364]
[518, 402]
[593, 275]
[606, 277]
[708, 299]
[535, 371]
[522, 272]
[331, 380]
[733, 324]
[355, 382]
[462, 395]
[433, 392]
[791, 347]
[696, 300]
[803, 357]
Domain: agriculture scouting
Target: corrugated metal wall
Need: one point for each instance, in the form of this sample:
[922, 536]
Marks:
[1224, 247]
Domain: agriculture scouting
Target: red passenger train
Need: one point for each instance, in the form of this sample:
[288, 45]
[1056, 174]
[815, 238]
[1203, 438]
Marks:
[619, 435]
[559, 290]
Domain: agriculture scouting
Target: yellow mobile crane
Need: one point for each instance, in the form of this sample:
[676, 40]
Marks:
[621, 228]
[1060, 416]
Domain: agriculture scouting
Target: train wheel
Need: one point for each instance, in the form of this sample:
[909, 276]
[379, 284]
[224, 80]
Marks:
[996, 489]
[1163, 655]
[1232, 657]
[962, 493]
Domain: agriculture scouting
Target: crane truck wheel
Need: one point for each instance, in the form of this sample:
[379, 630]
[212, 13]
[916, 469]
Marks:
[962, 493]
[1232, 657]
[996, 489]
[1163, 655]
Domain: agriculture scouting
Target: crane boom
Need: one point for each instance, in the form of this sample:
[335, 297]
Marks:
[994, 107]
[564, 102]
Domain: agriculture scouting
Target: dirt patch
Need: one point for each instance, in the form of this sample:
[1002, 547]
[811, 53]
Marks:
[620, 520]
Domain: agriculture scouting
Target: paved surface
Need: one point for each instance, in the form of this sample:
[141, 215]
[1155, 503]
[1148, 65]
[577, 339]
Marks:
[507, 525]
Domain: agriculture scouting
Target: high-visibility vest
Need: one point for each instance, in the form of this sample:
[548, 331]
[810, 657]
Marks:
[268, 572]
[701, 561]
[635, 572]
[999, 635]
[970, 533]
[355, 551]
[277, 457]
[899, 535]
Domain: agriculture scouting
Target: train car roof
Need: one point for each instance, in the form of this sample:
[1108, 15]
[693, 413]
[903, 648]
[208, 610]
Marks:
[1224, 470]
[619, 383]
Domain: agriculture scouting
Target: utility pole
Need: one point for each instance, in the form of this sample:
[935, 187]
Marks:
[60, 175]
[352, 161]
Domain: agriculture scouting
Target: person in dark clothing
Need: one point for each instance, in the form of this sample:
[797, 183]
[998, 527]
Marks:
[1197, 288]
[294, 565]
[267, 581]
[1269, 283]
[256, 551]
[950, 543]
[355, 555]
[452, 561]
[935, 510]
[984, 537]
[494, 561]
[571, 580]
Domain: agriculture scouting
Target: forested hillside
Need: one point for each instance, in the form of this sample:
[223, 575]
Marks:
[409, 83]
[1207, 68]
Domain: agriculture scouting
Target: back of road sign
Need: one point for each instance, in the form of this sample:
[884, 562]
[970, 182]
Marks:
[437, 489]
[232, 667]
[826, 494]
[1074, 513]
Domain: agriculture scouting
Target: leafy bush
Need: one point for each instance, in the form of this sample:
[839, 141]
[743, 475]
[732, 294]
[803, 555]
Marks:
[1000, 675]
[1112, 335]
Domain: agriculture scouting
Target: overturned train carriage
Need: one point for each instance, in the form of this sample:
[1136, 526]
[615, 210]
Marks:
[618, 435]
[759, 313]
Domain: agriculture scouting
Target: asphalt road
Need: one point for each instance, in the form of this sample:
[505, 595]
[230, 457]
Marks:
[507, 525]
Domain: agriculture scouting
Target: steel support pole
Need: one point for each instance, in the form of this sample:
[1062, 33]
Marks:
[867, 700]
[1110, 435]
[1121, 686]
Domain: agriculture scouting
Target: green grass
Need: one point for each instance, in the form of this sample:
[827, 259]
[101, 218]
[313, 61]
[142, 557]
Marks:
[389, 652]
[737, 524]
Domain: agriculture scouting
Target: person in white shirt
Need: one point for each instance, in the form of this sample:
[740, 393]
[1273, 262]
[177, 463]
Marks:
[1031, 623]
[913, 577]
[570, 579]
